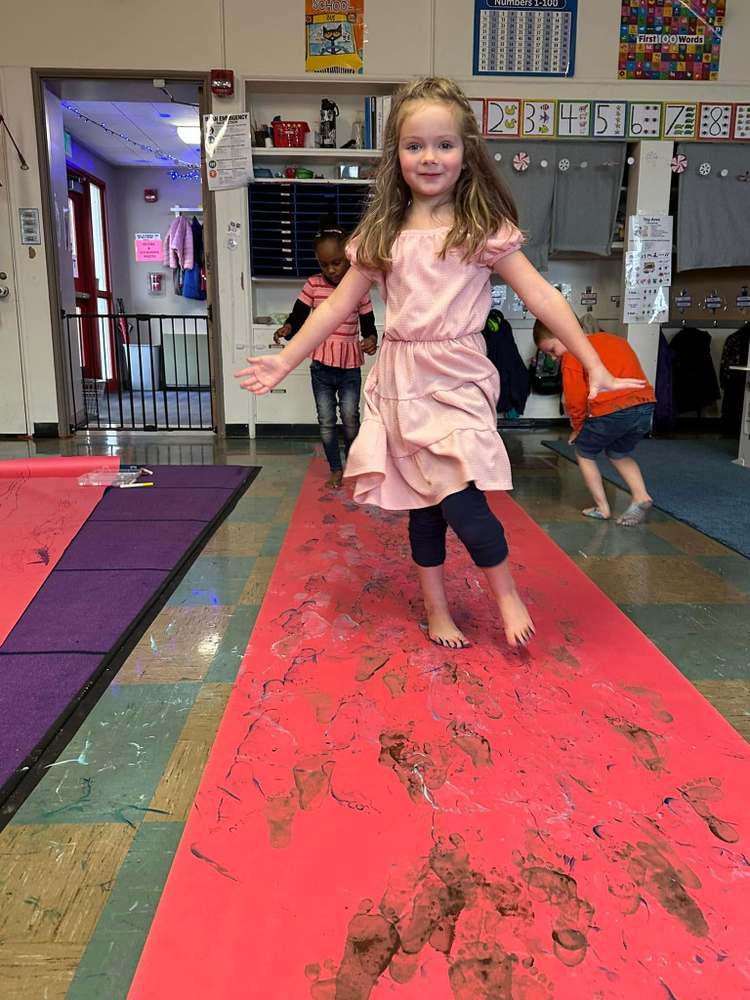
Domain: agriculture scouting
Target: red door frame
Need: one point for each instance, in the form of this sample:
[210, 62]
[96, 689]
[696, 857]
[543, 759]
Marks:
[92, 298]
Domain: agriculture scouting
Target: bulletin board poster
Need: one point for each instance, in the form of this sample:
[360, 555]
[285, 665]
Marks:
[675, 40]
[335, 36]
[525, 37]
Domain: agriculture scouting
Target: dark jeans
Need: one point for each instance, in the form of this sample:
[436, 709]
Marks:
[336, 387]
[472, 520]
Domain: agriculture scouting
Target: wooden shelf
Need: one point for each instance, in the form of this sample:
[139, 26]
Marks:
[274, 281]
[314, 153]
[323, 83]
[310, 180]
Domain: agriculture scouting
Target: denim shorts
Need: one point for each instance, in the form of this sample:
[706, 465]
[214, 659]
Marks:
[616, 433]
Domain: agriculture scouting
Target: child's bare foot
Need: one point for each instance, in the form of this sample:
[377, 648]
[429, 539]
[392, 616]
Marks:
[334, 480]
[443, 631]
[519, 627]
[517, 622]
[440, 626]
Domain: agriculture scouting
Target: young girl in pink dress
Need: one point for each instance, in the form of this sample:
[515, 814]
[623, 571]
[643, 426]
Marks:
[439, 223]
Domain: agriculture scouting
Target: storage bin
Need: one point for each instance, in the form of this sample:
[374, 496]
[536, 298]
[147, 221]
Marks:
[289, 133]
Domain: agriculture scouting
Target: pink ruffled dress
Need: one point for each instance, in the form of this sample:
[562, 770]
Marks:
[430, 422]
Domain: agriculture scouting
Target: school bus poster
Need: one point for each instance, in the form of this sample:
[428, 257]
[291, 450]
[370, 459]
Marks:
[334, 36]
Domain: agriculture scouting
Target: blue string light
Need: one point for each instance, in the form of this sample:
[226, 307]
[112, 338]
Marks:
[185, 175]
[155, 151]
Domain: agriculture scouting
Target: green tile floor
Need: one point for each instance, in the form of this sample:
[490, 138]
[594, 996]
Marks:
[83, 861]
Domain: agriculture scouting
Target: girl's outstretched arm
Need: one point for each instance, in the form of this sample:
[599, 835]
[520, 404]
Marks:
[266, 371]
[547, 304]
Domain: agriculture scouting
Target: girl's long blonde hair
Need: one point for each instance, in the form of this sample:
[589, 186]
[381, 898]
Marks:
[482, 202]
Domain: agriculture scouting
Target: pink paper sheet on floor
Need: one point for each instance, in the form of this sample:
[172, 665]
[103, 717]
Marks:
[42, 508]
[382, 819]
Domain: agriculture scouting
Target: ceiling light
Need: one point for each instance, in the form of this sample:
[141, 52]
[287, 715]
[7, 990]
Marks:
[190, 134]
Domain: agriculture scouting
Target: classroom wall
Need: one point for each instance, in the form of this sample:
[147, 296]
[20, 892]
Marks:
[256, 40]
[596, 59]
[402, 39]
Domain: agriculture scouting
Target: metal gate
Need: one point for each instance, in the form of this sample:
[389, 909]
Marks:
[136, 371]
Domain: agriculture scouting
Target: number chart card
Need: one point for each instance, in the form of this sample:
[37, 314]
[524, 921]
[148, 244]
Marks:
[680, 121]
[671, 39]
[525, 37]
[644, 120]
[574, 119]
[538, 119]
[715, 122]
[610, 119]
[503, 117]
[742, 121]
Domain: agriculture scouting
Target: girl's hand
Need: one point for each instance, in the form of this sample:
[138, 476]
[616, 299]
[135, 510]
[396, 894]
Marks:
[263, 374]
[601, 380]
[369, 344]
[282, 333]
[573, 436]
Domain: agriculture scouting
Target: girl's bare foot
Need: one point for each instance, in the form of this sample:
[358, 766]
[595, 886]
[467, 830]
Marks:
[519, 628]
[334, 480]
[443, 631]
[517, 622]
[440, 627]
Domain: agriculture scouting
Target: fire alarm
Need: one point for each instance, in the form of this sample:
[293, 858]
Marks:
[150, 194]
[222, 82]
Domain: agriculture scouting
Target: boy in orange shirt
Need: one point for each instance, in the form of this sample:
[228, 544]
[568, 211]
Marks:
[612, 422]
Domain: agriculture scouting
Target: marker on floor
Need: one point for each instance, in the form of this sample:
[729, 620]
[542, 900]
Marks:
[133, 486]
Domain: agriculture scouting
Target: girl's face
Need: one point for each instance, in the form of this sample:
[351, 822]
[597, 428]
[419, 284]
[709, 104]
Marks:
[431, 149]
[332, 259]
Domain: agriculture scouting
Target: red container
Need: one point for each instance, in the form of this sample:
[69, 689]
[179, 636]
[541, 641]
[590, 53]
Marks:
[289, 133]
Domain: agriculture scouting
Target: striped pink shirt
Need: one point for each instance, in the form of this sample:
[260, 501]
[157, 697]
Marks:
[342, 348]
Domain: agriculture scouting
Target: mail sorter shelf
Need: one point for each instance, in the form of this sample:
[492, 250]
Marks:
[284, 219]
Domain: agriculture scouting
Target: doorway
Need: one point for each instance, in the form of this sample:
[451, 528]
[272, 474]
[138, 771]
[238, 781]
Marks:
[136, 337]
[91, 276]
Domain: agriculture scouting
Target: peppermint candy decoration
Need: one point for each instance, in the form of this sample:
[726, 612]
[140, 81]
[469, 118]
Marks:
[679, 163]
[704, 169]
[521, 162]
[564, 165]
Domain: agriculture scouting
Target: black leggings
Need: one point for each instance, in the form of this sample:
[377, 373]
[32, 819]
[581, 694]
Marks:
[472, 520]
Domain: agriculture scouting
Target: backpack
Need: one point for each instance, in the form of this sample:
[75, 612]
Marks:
[546, 375]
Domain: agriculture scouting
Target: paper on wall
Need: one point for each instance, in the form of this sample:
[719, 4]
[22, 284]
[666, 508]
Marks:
[229, 157]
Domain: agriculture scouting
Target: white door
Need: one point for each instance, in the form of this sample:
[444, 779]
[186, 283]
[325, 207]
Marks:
[12, 406]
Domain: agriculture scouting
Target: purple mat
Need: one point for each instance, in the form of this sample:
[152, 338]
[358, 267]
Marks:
[170, 503]
[25, 678]
[108, 586]
[83, 612]
[133, 545]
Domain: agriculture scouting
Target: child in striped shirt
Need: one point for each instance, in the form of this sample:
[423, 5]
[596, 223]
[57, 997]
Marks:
[336, 364]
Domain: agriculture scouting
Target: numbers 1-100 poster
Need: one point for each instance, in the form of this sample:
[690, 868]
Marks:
[525, 37]
[671, 39]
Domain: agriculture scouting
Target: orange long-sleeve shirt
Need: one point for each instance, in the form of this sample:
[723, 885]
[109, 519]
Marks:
[621, 360]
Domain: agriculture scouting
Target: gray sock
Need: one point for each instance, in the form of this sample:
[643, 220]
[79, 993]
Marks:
[635, 514]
